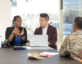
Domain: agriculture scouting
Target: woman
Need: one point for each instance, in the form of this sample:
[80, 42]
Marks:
[16, 34]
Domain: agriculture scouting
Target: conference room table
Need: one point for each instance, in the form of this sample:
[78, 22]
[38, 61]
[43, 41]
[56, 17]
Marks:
[10, 56]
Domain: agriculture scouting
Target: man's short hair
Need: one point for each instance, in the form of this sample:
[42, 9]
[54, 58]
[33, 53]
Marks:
[78, 22]
[44, 15]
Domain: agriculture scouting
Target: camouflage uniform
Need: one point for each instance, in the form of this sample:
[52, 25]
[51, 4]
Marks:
[73, 44]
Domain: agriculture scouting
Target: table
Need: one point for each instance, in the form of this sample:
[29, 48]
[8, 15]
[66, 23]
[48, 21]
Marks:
[10, 56]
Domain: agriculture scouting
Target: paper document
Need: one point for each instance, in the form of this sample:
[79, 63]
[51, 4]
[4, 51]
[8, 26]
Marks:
[48, 53]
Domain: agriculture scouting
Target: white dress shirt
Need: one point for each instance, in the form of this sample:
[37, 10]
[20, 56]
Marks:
[44, 30]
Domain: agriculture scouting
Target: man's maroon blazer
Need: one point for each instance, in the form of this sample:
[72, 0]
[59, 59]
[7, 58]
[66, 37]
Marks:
[52, 35]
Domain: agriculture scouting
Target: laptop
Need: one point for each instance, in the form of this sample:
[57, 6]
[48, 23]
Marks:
[38, 40]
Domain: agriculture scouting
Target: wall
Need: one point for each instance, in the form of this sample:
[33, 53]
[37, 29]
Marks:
[5, 15]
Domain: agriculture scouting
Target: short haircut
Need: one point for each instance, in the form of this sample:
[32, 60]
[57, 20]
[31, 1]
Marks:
[15, 18]
[78, 22]
[44, 15]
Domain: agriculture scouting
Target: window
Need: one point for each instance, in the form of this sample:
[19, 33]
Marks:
[71, 9]
[30, 10]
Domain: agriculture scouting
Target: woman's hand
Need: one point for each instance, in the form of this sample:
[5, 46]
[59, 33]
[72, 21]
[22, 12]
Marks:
[22, 32]
[16, 31]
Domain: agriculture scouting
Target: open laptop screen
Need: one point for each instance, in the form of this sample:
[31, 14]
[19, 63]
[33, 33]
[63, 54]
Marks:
[38, 40]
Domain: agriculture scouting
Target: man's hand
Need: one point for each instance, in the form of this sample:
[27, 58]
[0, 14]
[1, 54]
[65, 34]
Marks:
[28, 44]
[78, 59]
[80, 54]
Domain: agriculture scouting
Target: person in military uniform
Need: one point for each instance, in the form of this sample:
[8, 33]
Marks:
[72, 45]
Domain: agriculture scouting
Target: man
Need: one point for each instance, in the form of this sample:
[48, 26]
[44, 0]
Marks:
[16, 34]
[46, 29]
[72, 45]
